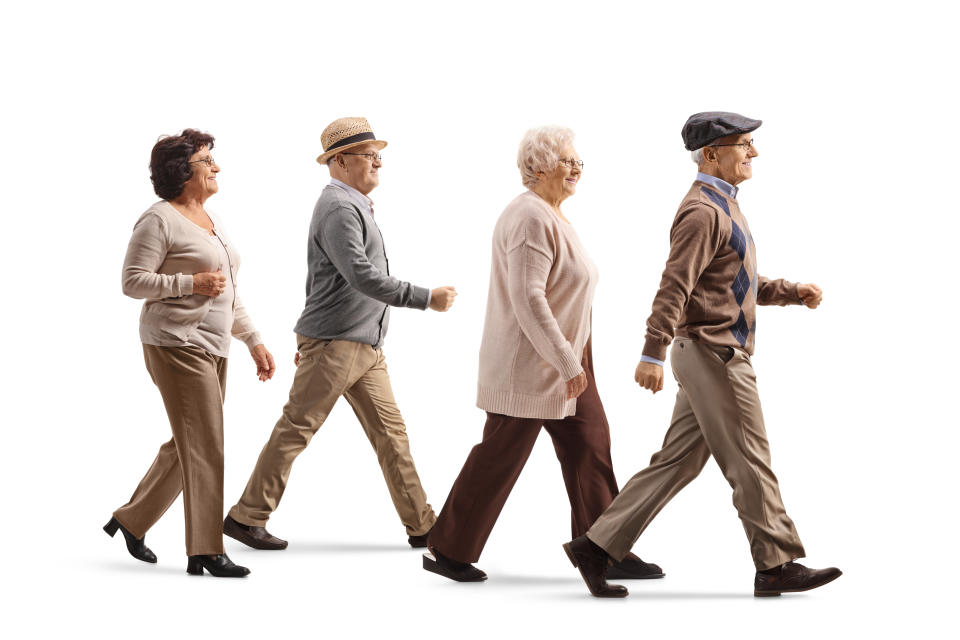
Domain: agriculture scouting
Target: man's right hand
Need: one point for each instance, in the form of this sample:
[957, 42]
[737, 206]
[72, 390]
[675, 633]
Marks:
[209, 283]
[441, 298]
[649, 376]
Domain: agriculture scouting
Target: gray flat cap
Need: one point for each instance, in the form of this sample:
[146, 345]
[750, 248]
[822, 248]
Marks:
[703, 128]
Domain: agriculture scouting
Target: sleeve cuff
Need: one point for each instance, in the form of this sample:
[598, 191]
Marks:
[570, 365]
[655, 350]
[651, 360]
[186, 284]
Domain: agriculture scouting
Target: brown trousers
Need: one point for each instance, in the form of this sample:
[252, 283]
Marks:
[582, 443]
[192, 383]
[717, 412]
[329, 369]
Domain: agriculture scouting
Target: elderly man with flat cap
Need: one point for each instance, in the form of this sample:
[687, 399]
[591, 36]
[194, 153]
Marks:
[339, 339]
[706, 306]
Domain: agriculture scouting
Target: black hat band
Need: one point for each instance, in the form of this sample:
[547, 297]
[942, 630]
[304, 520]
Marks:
[360, 137]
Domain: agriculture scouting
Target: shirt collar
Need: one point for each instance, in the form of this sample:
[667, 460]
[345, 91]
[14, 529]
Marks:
[361, 200]
[722, 185]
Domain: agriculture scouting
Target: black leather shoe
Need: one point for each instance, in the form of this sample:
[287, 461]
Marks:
[419, 542]
[135, 546]
[791, 578]
[256, 537]
[219, 565]
[449, 568]
[592, 562]
[633, 568]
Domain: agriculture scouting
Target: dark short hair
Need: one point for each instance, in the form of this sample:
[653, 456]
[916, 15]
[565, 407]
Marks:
[170, 161]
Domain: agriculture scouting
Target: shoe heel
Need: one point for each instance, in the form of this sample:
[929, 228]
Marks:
[573, 560]
[111, 527]
[766, 594]
[194, 567]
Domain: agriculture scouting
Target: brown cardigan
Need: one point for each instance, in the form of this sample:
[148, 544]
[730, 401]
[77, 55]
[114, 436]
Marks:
[710, 288]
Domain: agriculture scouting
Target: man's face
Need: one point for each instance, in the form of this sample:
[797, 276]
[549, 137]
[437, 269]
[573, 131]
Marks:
[362, 167]
[733, 161]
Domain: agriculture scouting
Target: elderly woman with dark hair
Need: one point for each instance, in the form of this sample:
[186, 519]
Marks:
[180, 260]
[536, 367]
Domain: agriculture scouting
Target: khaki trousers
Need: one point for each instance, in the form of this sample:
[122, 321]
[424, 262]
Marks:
[192, 383]
[582, 444]
[717, 412]
[329, 369]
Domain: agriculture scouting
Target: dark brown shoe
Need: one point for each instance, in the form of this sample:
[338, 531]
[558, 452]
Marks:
[256, 537]
[592, 562]
[633, 568]
[450, 568]
[419, 542]
[791, 578]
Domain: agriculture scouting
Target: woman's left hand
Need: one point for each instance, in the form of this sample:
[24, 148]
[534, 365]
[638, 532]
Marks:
[264, 360]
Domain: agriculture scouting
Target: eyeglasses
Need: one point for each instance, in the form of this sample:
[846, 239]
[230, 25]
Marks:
[571, 163]
[373, 157]
[743, 145]
[209, 161]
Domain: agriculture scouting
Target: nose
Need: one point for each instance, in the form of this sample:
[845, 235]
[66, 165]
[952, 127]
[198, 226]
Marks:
[753, 153]
[377, 162]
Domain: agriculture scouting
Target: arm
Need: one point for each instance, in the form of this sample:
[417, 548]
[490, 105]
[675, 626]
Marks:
[243, 328]
[694, 240]
[342, 235]
[527, 271]
[780, 292]
[145, 253]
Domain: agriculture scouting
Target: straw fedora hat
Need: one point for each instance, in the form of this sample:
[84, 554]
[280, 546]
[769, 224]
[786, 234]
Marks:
[346, 133]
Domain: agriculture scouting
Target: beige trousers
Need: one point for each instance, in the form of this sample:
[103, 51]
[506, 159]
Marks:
[329, 369]
[192, 383]
[717, 412]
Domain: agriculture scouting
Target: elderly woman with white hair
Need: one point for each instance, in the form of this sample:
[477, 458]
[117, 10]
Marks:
[536, 369]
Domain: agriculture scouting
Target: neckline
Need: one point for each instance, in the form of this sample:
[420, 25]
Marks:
[550, 209]
[212, 232]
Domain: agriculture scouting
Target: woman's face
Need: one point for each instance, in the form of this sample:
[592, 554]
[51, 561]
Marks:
[562, 181]
[203, 183]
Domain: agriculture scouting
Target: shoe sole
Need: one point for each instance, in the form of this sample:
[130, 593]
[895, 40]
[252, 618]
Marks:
[773, 594]
[253, 543]
[573, 561]
[613, 575]
[431, 565]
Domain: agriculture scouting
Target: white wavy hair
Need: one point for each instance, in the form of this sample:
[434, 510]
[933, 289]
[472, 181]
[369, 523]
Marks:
[540, 151]
[697, 156]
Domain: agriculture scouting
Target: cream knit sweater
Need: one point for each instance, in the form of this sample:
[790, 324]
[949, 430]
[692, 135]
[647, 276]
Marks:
[538, 313]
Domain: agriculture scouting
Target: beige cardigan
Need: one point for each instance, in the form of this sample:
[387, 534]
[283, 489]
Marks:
[538, 313]
[165, 250]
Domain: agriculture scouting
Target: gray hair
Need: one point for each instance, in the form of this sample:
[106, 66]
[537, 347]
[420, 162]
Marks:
[540, 151]
[697, 156]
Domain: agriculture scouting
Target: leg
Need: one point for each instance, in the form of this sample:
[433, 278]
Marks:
[372, 400]
[191, 384]
[327, 368]
[481, 489]
[582, 443]
[679, 461]
[723, 393]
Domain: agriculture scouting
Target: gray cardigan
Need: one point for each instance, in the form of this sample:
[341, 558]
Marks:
[349, 286]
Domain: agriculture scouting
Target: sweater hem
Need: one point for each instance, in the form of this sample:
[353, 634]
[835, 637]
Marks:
[521, 405]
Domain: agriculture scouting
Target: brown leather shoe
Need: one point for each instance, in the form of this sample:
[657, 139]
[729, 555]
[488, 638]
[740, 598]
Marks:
[592, 562]
[419, 542]
[791, 578]
[256, 537]
[633, 568]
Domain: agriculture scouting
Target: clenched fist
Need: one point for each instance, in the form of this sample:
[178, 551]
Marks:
[441, 298]
[209, 283]
[810, 294]
[649, 376]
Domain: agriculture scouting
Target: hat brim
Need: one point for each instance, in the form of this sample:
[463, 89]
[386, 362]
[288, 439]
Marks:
[325, 157]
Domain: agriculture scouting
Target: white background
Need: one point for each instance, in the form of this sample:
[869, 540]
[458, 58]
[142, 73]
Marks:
[853, 190]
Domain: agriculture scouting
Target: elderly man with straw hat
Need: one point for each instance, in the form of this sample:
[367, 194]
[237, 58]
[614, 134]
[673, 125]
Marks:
[706, 307]
[339, 338]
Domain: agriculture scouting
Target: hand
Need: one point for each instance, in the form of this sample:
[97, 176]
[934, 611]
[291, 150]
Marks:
[209, 283]
[264, 360]
[576, 386]
[649, 376]
[810, 294]
[441, 298]
[296, 359]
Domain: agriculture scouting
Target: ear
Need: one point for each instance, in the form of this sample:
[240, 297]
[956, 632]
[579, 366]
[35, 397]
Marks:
[709, 154]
